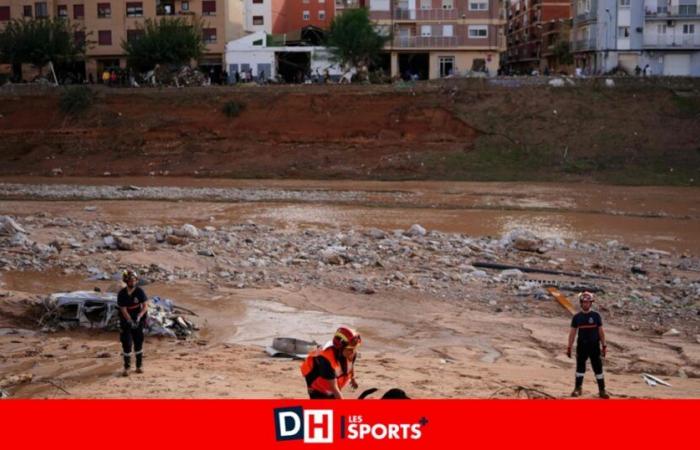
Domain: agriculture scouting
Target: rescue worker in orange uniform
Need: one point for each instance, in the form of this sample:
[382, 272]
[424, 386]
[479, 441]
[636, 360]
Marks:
[328, 370]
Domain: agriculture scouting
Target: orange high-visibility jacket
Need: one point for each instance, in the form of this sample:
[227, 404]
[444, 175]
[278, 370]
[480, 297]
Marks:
[314, 381]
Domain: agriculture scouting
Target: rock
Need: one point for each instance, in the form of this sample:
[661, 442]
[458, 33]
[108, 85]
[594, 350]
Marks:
[57, 171]
[638, 270]
[90, 208]
[556, 82]
[634, 327]
[521, 239]
[479, 274]
[160, 237]
[672, 332]
[206, 252]
[125, 244]
[375, 233]
[526, 245]
[188, 231]
[109, 242]
[416, 230]
[13, 380]
[512, 273]
[175, 240]
[331, 256]
[8, 226]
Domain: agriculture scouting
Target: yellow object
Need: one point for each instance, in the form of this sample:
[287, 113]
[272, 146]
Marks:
[561, 298]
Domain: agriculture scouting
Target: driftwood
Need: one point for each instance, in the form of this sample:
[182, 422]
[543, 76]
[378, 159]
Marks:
[529, 392]
[497, 266]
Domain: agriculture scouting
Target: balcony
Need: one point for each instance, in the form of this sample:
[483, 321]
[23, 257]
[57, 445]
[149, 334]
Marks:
[680, 41]
[582, 45]
[439, 42]
[672, 12]
[426, 14]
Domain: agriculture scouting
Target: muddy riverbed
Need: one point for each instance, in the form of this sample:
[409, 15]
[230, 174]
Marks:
[297, 258]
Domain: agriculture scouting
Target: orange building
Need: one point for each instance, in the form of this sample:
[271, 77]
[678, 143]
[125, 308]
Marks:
[286, 16]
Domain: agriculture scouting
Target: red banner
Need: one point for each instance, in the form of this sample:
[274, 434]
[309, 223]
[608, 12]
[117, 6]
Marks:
[288, 424]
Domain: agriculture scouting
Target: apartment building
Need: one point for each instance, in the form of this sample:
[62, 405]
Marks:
[534, 27]
[437, 38]
[287, 16]
[110, 22]
[663, 34]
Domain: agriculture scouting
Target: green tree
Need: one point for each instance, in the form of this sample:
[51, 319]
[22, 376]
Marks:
[353, 39]
[40, 41]
[562, 53]
[165, 41]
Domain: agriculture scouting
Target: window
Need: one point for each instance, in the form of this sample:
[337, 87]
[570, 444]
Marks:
[321, 15]
[27, 11]
[689, 28]
[478, 6]
[322, 1]
[62, 11]
[661, 29]
[4, 13]
[208, 8]
[166, 7]
[623, 32]
[447, 30]
[426, 4]
[258, 20]
[79, 38]
[306, 15]
[447, 65]
[104, 10]
[447, 4]
[41, 10]
[426, 30]
[624, 3]
[258, 43]
[104, 37]
[134, 9]
[209, 35]
[687, 10]
[133, 35]
[258, 2]
[478, 31]
[185, 6]
[78, 11]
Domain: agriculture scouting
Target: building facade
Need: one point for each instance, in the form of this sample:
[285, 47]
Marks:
[438, 38]
[624, 34]
[109, 22]
[286, 16]
[534, 27]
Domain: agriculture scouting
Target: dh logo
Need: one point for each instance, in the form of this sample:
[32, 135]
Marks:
[314, 426]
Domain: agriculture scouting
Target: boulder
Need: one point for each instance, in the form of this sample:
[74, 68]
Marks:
[188, 231]
[416, 230]
[8, 226]
[175, 240]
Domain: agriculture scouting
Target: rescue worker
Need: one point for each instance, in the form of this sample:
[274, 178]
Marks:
[590, 344]
[328, 369]
[133, 308]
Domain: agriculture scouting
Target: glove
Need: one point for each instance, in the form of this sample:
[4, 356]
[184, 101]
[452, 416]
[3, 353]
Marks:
[604, 351]
[353, 383]
[568, 352]
[134, 325]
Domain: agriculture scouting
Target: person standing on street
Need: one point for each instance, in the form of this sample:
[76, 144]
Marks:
[590, 344]
[133, 308]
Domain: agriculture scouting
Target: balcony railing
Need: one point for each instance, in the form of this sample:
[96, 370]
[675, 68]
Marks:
[440, 41]
[426, 14]
[584, 45]
[664, 12]
[673, 41]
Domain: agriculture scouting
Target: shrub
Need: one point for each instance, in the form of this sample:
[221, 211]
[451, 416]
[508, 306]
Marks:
[232, 108]
[76, 99]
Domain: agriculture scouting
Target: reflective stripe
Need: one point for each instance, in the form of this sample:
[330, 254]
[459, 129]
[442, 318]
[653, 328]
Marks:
[599, 376]
[579, 375]
[126, 354]
[140, 352]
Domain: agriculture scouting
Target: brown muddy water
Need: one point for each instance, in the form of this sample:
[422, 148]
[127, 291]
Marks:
[666, 218]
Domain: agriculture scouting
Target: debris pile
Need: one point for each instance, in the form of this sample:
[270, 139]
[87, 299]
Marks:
[99, 310]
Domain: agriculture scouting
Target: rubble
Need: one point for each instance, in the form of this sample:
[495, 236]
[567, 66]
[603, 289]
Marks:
[8, 226]
[99, 310]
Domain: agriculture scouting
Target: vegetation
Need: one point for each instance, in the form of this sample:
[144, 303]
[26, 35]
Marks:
[76, 100]
[41, 41]
[353, 40]
[168, 41]
[232, 108]
[562, 53]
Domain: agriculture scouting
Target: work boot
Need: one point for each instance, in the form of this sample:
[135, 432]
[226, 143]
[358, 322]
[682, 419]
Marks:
[139, 370]
[603, 394]
[125, 372]
[577, 392]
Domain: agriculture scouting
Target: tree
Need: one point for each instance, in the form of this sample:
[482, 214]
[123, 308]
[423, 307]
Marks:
[562, 53]
[353, 39]
[40, 41]
[165, 41]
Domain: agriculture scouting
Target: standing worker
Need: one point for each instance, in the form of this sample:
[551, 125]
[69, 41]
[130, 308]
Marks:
[133, 307]
[590, 344]
[329, 369]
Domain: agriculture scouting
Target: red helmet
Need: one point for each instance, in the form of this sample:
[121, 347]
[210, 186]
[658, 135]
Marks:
[346, 337]
[128, 274]
[585, 296]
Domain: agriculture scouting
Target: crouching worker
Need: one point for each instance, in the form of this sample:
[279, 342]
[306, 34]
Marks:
[133, 307]
[327, 370]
